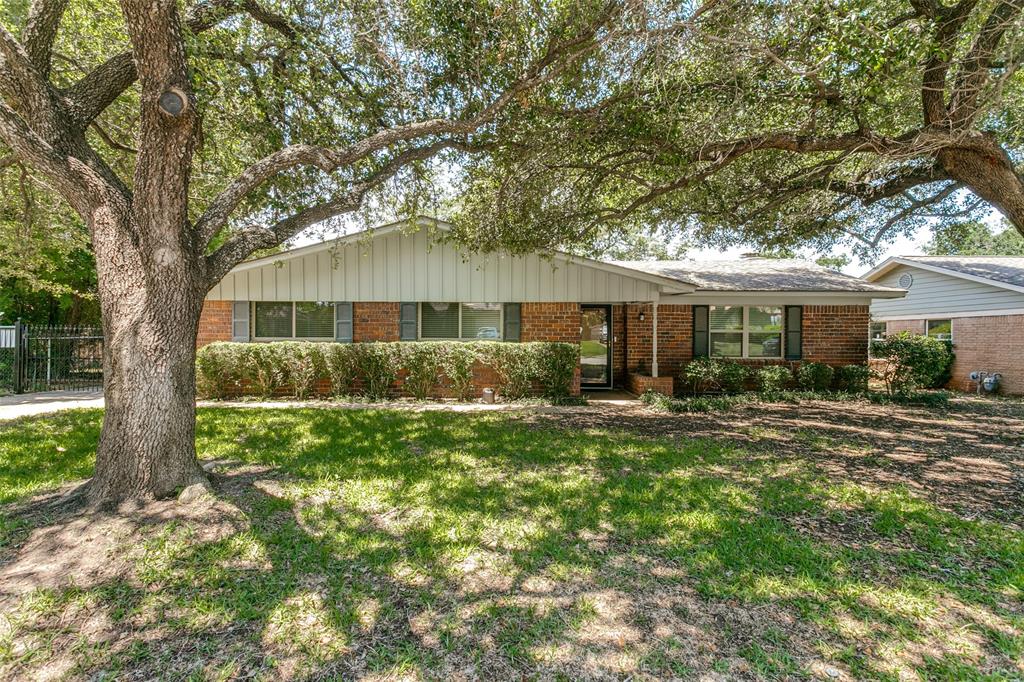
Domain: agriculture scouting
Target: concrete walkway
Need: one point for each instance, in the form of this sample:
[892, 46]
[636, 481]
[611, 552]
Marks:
[14, 406]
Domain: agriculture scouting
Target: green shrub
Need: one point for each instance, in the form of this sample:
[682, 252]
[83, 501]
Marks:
[514, 364]
[377, 366]
[555, 364]
[924, 398]
[219, 368]
[773, 379]
[303, 364]
[695, 404]
[814, 376]
[264, 367]
[853, 378]
[943, 377]
[422, 363]
[910, 361]
[702, 375]
[341, 367]
[733, 376]
[457, 364]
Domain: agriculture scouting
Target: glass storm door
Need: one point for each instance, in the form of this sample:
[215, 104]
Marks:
[596, 347]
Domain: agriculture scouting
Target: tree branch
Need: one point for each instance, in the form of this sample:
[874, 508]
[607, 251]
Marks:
[328, 160]
[40, 31]
[974, 71]
[933, 85]
[98, 89]
[238, 247]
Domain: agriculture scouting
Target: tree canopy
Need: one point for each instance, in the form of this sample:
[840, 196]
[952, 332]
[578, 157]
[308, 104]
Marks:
[809, 123]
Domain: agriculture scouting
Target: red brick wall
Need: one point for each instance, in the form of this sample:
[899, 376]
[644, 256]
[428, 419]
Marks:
[989, 344]
[550, 322]
[214, 323]
[375, 321]
[675, 338]
[836, 334]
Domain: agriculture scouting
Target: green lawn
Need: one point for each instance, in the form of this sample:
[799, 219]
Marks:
[591, 349]
[438, 545]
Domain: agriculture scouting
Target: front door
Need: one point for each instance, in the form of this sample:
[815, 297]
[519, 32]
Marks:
[596, 347]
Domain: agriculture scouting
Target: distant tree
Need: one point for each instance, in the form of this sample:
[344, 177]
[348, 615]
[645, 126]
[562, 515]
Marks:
[974, 239]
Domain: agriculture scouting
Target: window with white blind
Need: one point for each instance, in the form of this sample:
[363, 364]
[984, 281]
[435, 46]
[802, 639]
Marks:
[467, 321]
[300, 320]
[745, 331]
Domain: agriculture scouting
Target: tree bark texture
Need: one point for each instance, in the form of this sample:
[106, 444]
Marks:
[150, 320]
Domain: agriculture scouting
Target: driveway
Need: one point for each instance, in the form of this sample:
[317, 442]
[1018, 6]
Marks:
[14, 406]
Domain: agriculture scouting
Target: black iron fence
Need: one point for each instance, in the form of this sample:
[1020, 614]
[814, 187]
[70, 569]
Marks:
[50, 358]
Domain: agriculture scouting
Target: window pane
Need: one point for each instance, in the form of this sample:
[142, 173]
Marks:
[481, 320]
[940, 329]
[439, 320]
[764, 345]
[273, 320]
[314, 320]
[726, 317]
[766, 318]
[878, 330]
[727, 345]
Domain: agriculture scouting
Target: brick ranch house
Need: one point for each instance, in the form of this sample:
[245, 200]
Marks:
[977, 302]
[637, 323]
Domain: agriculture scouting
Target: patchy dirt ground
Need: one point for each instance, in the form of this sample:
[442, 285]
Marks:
[821, 540]
[968, 458]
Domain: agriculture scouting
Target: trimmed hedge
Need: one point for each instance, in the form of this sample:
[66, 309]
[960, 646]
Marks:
[224, 369]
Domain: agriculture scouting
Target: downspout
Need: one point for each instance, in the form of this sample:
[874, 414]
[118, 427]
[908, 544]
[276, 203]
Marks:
[654, 339]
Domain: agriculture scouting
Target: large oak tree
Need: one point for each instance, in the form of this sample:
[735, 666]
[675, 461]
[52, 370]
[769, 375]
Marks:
[187, 138]
[798, 123]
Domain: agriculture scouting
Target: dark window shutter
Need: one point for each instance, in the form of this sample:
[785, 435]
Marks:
[240, 321]
[343, 322]
[794, 332]
[513, 321]
[700, 331]
[407, 322]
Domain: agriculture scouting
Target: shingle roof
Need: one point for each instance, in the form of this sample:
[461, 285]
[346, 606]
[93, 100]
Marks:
[757, 274]
[1004, 269]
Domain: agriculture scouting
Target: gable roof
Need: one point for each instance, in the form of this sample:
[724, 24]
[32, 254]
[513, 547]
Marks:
[669, 284]
[1006, 272]
[762, 274]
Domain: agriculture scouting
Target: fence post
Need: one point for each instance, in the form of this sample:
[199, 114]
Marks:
[19, 349]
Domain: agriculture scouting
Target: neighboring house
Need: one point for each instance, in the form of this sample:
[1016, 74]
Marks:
[636, 323]
[975, 301]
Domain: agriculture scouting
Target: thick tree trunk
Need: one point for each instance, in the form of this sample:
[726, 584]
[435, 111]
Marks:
[151, 304]
[989, 173]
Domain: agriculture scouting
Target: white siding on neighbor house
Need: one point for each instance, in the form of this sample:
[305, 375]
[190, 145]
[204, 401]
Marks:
[405, 266]
[934, 293]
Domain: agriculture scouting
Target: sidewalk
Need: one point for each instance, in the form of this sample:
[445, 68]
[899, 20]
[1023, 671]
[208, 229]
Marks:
[14, 406]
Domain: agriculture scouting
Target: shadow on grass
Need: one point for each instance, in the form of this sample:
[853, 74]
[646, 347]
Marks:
[450, 545]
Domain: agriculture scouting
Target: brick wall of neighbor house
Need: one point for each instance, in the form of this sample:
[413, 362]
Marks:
[375, 321]
[214, 323]
[550, 322]
[988, 344]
